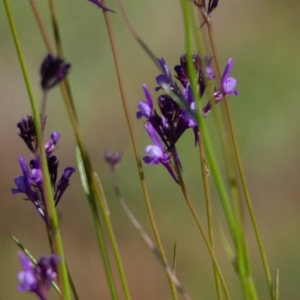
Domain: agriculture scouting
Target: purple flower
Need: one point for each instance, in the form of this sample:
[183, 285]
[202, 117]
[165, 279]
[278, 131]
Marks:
[227, 88]
[156, 153]
[53, 71]
[24, 182]
[145, 107]
[100, 5]
[37, 279]
[113, 159]
[50, 146]
[63, 183]
[228, 83]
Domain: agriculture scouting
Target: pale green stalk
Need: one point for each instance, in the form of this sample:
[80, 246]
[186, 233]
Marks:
[234, 223]
[205, 171]
[49, 202]
[239, 161]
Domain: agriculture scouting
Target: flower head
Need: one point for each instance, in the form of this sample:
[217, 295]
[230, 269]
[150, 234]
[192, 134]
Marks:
[53, 71]
[113, 159]
[37, 278]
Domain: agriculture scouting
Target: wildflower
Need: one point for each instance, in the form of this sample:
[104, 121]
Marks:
[113, 159]
[53, 71]
[176, 117]
[227, 87]
[100, 5]
[63, 183]
[51, 144]
[37, 279]
[156, 153]
[30, 183]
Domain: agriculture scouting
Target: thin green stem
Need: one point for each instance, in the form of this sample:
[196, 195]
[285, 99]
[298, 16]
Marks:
[205, 171]
[102, 203]
[59, 50]
[199, 224]
[49, 202]
[135, 146]
[240, 166]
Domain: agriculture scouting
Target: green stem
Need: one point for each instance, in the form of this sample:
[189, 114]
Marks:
[240, 167]
[199, 224]
[135, 147]
[49, 202]
[204, 171]
[102, 203]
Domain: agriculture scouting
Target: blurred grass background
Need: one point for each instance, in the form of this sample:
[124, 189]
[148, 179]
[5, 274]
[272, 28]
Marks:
[263, 39]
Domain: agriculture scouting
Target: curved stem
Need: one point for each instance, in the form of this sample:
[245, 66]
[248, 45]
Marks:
[135, 147]
[199, 224]
[204, 171]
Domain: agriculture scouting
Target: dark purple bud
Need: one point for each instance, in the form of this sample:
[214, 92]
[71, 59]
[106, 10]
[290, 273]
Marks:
[212, 5]
[28, 133]
[53, 71]
[63, 183]
[100, 5]
[52, 166]
[113, 159]
[167, 106]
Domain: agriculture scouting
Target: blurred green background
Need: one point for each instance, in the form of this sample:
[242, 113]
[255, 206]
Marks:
[262, 37]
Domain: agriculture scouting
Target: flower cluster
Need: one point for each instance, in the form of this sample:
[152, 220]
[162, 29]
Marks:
[166, 129]
[37, 278]
[30, 183]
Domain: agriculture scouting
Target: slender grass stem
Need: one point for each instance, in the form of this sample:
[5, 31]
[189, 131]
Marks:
[41, 25]
[204, 171]
[134, 144]
[102, 203]
[239, 163]
[148, 241]
[49, 202]
[199, 224]
[59, 49]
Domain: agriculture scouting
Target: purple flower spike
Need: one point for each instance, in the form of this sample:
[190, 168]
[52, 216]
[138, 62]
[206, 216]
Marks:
[145, 107]
[53, 71]
[228, 83]
[51, 144]
[63, 183]
[37, 279]
[156, 154]
[100, 5]
[113, 159]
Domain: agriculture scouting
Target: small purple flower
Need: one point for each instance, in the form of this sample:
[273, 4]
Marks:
[100, 5]
[228, 83]
[53, 71]
[37, 279]
[50, 146]
[24, 182]
[63, 183]
[113, 159]
[145, 107]
[156, 153]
